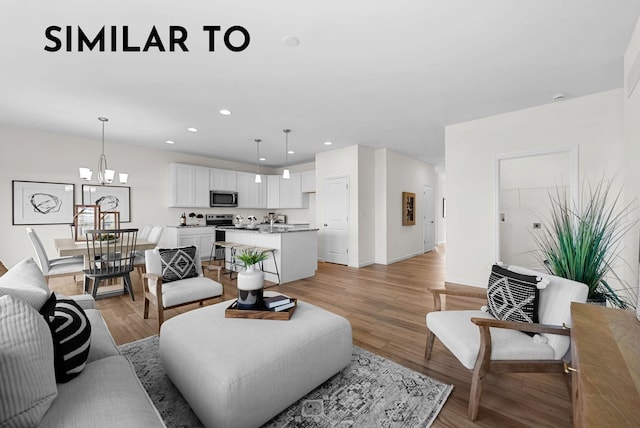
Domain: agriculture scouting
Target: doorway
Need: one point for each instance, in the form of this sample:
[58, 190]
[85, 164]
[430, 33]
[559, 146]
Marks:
[523, 185]
[336, 220]
[428, 226]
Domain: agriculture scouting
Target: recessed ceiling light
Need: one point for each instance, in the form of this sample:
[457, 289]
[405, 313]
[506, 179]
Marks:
[328, 143]
[263, 159]
[225, 112]
[170, 142]
[291, 152]
[291, 41]
[192, 129]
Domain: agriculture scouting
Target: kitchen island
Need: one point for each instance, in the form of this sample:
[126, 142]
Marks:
[295, 250]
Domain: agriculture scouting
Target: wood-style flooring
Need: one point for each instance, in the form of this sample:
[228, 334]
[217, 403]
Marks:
[386, 306]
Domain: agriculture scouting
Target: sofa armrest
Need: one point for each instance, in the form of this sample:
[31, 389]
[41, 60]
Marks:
[86, 301]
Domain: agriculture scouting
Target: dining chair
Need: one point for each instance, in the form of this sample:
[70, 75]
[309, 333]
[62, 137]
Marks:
[110, 254]
[153, 236]
[58, 267]
[144, 233]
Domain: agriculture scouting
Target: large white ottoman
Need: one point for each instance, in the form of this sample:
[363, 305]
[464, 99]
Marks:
[242, 372]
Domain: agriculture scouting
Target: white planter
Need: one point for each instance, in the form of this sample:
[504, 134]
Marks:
[250, 287]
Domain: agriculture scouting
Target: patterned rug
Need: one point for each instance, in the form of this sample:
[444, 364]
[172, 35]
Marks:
[371, 392]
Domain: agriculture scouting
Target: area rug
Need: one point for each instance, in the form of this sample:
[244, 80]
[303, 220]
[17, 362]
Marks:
[371, 392]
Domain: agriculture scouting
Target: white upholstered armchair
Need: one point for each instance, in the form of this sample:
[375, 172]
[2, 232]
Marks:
[174, 278]
[485, 344]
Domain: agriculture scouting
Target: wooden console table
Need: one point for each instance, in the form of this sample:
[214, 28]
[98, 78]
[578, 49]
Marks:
[605, 349]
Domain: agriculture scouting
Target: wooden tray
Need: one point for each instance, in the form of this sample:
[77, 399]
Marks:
[233, 312]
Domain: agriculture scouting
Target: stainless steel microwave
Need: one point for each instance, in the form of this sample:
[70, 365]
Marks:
[223, 198]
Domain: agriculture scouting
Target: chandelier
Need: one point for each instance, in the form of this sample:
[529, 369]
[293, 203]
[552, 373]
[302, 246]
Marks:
[105, 175]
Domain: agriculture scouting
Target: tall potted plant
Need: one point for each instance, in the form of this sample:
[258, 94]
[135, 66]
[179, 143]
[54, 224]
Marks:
[251, 280]
[581, 241]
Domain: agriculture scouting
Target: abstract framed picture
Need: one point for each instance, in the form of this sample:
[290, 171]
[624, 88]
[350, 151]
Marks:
[110, 198]
[36, 202]
[408, 209]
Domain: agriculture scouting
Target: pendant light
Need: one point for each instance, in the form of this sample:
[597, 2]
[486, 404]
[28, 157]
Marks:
[285, 173]
[258, 178]
[105, 175]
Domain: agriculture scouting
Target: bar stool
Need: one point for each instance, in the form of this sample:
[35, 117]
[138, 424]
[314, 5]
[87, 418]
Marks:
[275, 263]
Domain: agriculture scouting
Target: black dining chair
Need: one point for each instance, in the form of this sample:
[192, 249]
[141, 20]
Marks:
[110, 254]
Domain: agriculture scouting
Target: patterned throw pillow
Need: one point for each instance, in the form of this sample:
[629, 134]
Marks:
[71, 333]
[512, 296]
[178, 263]
[27, 379]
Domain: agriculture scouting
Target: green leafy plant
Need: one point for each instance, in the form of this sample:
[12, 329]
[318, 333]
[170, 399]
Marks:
[582, 241]
[251, 257]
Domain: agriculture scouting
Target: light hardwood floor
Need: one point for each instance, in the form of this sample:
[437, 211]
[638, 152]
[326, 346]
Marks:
[386, 306]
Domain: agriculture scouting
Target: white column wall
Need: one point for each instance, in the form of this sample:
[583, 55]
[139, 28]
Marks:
[632, 153]
[594, 123]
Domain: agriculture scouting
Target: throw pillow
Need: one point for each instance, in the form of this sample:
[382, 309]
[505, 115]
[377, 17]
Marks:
[512, 296]
[71, 333]
[178, 263]
[26, 281]
[27, 378]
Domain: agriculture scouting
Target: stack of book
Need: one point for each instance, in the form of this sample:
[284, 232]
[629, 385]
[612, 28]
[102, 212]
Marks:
[278, 303]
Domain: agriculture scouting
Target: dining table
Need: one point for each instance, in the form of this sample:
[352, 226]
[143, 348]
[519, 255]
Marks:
[71, 247]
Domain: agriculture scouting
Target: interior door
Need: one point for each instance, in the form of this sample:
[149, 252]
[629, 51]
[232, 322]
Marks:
[429, 224]
[336, 220]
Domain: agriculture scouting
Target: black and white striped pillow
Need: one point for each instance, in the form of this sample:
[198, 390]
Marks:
[178, 263]
[71, 333]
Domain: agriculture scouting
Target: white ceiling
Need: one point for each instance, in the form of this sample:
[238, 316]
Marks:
[376, 73]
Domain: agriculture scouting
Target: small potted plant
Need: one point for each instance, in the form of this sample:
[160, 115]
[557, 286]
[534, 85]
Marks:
[250, 280]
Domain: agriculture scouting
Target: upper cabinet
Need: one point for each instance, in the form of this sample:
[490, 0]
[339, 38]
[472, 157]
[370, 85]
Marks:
[250, 193]
[223, 179]
[189, 185]
[308, 181]
[273, 191]
[286, 193]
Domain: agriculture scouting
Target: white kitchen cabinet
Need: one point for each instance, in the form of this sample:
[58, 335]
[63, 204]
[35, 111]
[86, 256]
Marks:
[308, 181]
[189, 185]
[250, 193]
[291, 192]
[223, 179]
[286, 193]
[201, 236]
[273, 191]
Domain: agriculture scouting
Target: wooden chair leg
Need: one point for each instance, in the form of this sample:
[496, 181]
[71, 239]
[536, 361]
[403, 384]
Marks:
[480, 371]
[96, 284]
[145, 314]
[127, 284]
[427, 350]
[160, 316]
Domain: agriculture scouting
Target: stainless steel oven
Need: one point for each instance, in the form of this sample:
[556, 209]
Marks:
[219, 220]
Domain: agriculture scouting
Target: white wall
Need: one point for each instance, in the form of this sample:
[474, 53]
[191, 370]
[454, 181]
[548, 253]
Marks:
[31, 155]
[632, 151]
[366, 206]
[594, 123]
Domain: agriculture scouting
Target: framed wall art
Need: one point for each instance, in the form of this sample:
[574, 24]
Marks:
[110, 198]
[36, 202]
[408, 209]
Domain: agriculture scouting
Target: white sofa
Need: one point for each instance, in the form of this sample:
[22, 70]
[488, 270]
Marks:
[106, 393]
